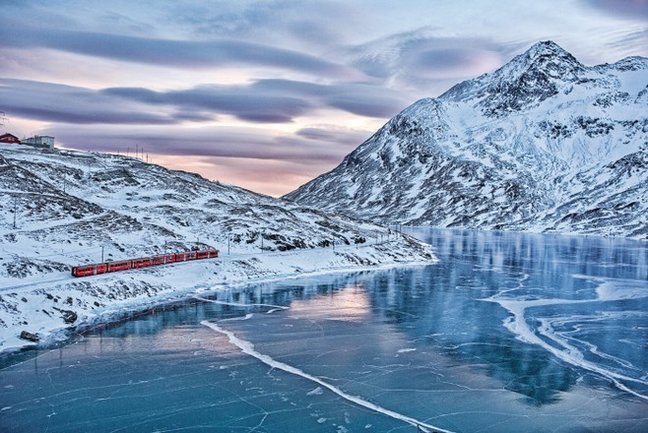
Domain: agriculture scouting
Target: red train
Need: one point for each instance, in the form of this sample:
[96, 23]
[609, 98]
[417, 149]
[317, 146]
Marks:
[143, 262]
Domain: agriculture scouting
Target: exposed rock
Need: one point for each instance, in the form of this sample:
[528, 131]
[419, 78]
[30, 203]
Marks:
[25, 335]
[69, 316]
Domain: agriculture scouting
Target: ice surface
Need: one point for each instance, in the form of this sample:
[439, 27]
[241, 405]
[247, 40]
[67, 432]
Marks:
[248, 348]
[507, 332]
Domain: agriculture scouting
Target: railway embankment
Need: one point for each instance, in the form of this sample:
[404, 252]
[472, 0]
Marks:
[42, 308]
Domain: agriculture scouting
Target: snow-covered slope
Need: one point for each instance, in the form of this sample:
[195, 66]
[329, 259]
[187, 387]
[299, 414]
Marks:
[544, 143]
[68, 206]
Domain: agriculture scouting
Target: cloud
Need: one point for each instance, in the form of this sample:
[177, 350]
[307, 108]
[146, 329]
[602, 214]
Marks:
[274, 163]
[271, 176]
[632, 43]
[333, 134]
[169, 52]
[238, 101]
[263, 101]
[60, 103]
[420, 59]
[358, 98]
[230, 18]
[211, 141]
[273, 100]
[288, 22]
[634, 9]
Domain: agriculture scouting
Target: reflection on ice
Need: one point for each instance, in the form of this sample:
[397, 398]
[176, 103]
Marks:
[349, 303]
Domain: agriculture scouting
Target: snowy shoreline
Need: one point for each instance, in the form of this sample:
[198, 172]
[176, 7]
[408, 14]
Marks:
[38, 306]
[68, 208]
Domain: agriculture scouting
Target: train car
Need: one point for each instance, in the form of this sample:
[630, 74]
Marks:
[142, 262]
[87, 270]
[84, 271]
[119, 266]
[183, 257]
[163, 259]
[180, 257]
[207, 254]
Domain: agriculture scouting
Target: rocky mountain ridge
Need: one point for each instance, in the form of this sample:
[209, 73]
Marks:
[543, 144]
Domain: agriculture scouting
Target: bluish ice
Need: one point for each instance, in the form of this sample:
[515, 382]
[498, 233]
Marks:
[508, 332]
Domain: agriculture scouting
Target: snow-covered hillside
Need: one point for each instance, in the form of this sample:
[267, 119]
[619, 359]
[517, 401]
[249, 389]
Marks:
[544, 144]
[68, 206]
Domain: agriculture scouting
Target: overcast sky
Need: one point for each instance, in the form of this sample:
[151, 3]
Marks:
[268, 94]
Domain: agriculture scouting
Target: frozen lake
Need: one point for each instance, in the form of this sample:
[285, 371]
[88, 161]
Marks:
[507, 333]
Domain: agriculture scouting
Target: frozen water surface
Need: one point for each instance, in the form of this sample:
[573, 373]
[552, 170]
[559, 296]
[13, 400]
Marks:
[508, 332]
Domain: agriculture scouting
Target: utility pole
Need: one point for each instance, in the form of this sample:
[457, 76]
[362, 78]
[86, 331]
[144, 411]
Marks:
[261, 242]
[102, 254]
[228, 245]
[15, 211]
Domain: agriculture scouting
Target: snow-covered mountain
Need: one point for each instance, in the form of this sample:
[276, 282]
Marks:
[70, 204]
[544, 143]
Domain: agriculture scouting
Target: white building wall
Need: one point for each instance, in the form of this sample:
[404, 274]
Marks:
[40, 141]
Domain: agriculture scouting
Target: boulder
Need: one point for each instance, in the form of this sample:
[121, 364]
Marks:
[29, 336]
[69, 316]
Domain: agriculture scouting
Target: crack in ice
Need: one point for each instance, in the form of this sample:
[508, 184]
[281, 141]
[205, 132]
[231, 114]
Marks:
[518, 325]
[238, 304]
[247, 347]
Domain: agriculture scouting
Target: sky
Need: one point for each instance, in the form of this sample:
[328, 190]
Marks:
[267, 94]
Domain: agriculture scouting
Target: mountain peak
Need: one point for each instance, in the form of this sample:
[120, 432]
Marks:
[545, 56]
[544, 48]
[526, 80]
